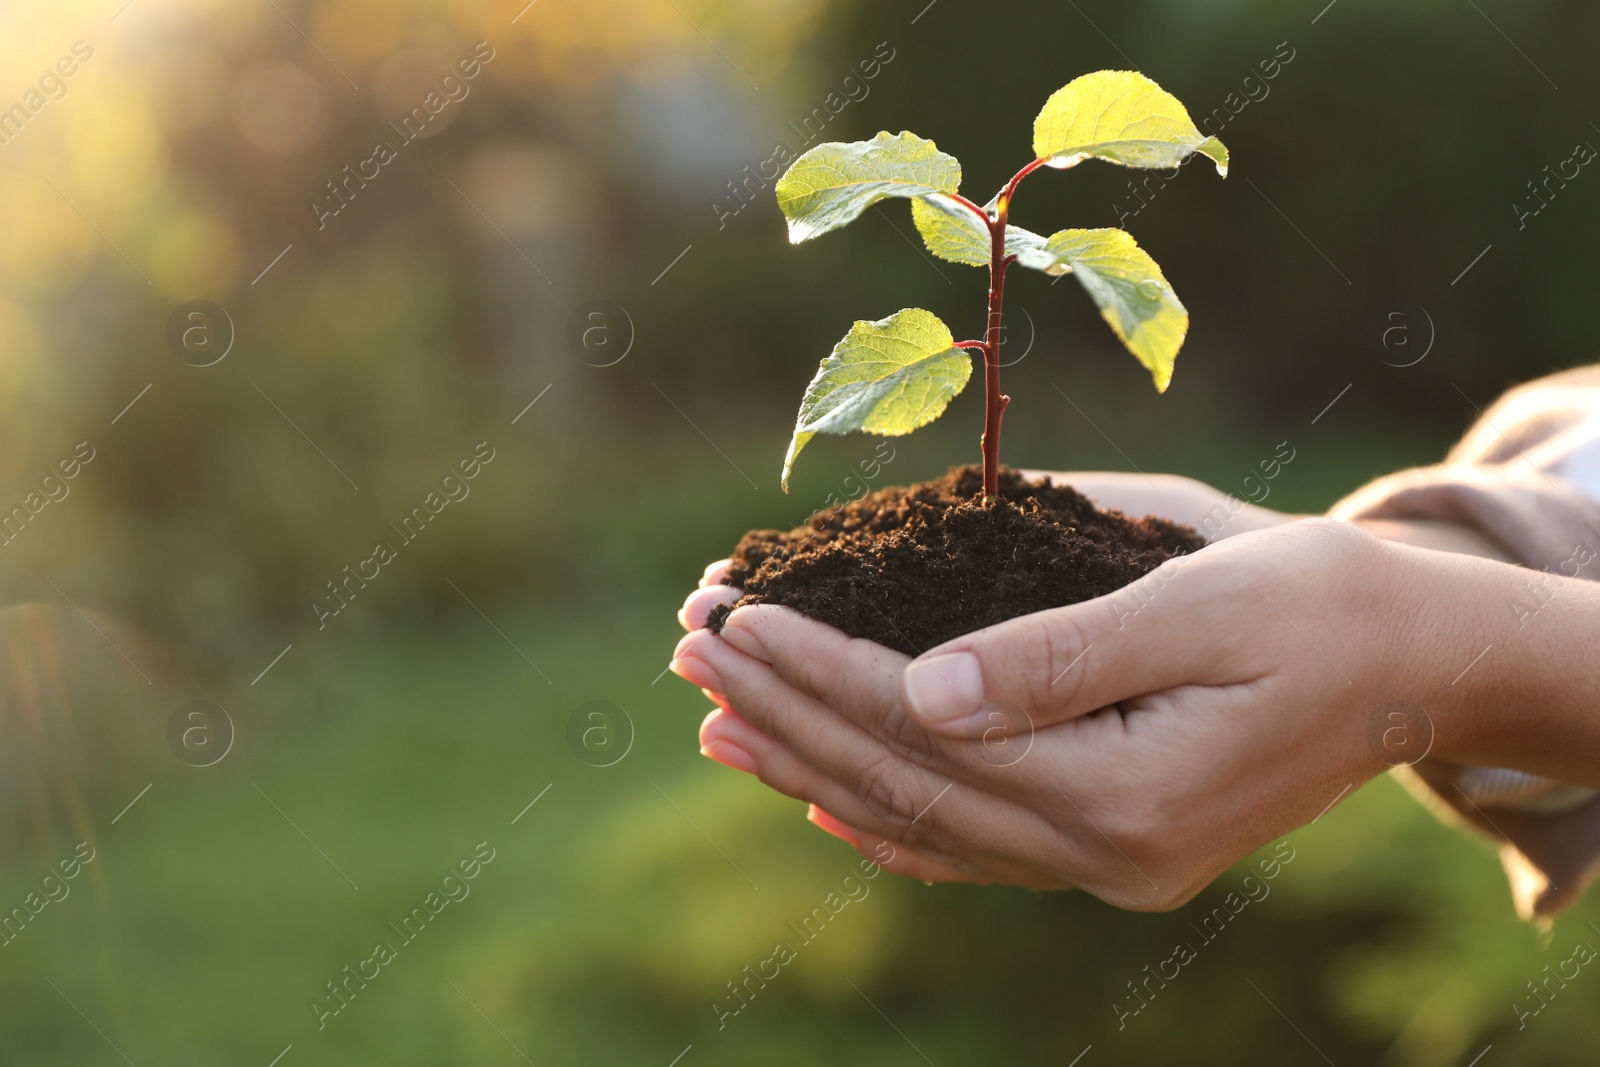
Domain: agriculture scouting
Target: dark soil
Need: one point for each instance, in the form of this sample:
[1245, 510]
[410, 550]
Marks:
[912, 567]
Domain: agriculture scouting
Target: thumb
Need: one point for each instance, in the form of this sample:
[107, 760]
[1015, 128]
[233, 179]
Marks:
[1157, 633]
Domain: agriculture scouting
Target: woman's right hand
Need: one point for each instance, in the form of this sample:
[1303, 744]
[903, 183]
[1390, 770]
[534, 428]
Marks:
[1237, 701]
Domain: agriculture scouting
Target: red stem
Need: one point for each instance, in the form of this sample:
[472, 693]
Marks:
[994, 400]
[970, 206]
[1017, 179]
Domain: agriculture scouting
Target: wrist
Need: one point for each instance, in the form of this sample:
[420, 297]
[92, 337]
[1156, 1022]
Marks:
[1501, 658]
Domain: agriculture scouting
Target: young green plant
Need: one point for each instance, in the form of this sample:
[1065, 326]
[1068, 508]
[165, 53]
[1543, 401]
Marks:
[891, 376]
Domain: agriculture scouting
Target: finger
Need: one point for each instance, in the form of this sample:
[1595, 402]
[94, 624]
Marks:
[1131, 494]
[910, 801]
[698, 604]
[894, 857]
[897, 857]
[715, 572]
[1171, 496]
[730, 755]
[858, 679]
[1163, 631]
[699, 673]
[732, 741]
[728, 739]
[836, 747]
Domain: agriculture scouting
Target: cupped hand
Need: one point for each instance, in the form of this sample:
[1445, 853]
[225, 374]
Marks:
[1214, 513]
[1135, 746]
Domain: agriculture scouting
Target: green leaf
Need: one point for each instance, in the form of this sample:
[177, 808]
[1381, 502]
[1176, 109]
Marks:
[951, 231]
[831, 185]
[1123, 117]
[1133, 296]
[887, 377]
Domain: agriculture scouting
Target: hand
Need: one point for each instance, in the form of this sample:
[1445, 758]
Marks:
[1217, 514]
[1171, 496]
[1175, 726]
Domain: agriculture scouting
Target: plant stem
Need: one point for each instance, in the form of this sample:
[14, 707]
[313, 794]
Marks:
[970, 206]
[1016, 179]
[995, 400]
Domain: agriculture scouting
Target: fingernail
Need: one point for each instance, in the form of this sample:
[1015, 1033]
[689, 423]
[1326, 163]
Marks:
[697, 672]
[747, 642]
[724, 724]
[697, 609]
[730, 755]
[828, 824]
[944, 688]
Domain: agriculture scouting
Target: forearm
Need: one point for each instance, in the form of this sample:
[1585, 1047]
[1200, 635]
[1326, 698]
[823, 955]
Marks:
[1503, 659]
[1549, 722]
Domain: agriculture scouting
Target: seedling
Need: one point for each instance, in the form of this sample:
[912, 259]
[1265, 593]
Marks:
[891, 376]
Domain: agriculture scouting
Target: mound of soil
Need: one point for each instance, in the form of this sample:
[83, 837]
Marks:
[912, 567]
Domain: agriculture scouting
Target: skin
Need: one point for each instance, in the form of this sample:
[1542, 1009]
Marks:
[1138, 745]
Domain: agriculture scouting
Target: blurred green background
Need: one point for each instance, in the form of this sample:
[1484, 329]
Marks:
[586, 163]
